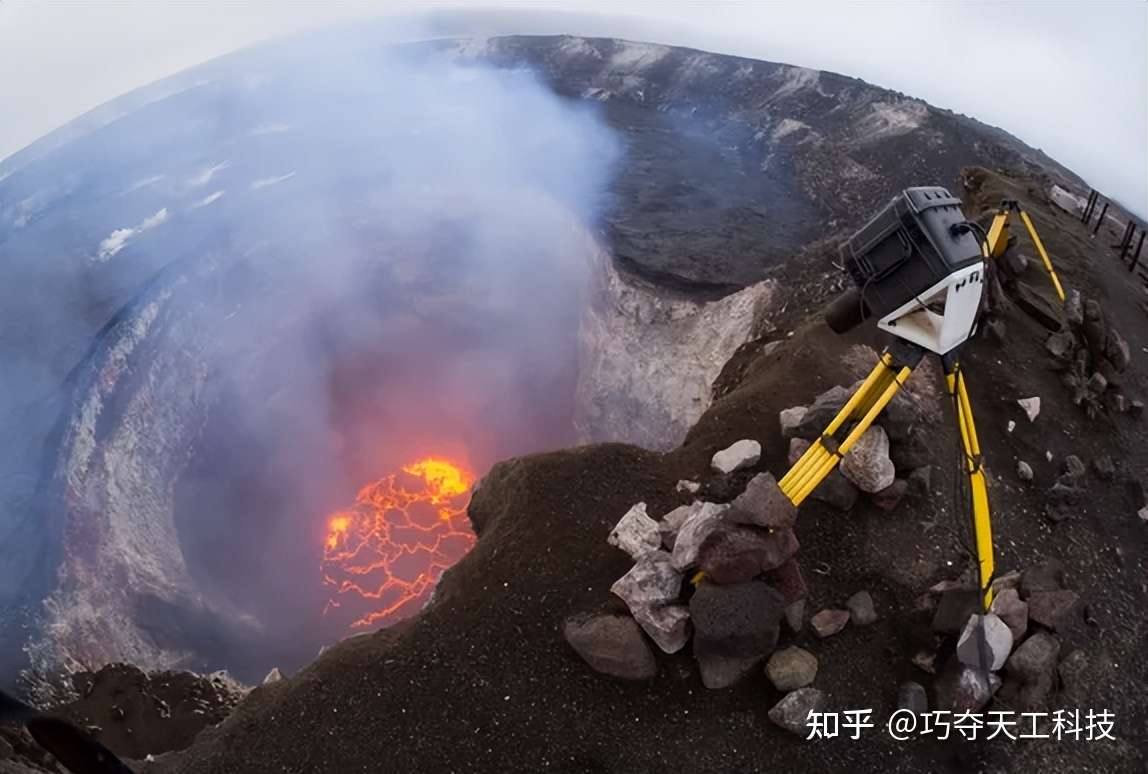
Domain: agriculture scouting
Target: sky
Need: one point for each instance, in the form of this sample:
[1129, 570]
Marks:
[1068, 77]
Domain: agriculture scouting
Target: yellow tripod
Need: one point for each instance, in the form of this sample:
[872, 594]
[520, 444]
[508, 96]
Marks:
[863, 407]
[998, 238]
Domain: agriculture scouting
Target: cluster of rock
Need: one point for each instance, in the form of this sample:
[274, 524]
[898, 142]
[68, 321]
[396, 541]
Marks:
[890, 460]
[1092, 355]
[1010, 655]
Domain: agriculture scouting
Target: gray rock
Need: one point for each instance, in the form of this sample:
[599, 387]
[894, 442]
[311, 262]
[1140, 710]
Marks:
[891, 496]
[1031, 407]
[698, 525]
[724, 671]
[867, 463]
[1046, 576]
[1015, 262]
[797, 447]
[1052, 609]
[741, 454]
[962, 688]
[1117, 350]
[668, 627]
[829, 622]
[921, 482]
[985, 642]
[791, 668]
[1095, 331]
[612, 645]
[1023, 471]
[1010, 580]
[636, 533]
[690, 487]
[1061, 345]
[861, 610]
[1074, 308]
[651, 582]
[1008, 605]
[1097, 383]
[822, 412]
[736, 553]
[1035, 657]
[954, 606]
[911, 696]
[274, 676]
[792, 712]
[672, 522]
[763, 504]
[795, 616]
[741, 620]
[1074, 467]
[790, 420]
[837, 491]
[916, 451]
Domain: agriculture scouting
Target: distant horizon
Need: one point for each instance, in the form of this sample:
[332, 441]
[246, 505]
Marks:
[1109, 166]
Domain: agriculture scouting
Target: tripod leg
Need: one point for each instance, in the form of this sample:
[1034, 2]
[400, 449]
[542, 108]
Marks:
[997, 235]
[982, 524]
[1043, 253]
[850, 423]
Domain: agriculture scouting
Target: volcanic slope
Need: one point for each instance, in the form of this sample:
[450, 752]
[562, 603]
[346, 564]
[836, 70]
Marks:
[483, 680]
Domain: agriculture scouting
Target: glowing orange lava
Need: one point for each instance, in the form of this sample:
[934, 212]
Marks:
[383, 556]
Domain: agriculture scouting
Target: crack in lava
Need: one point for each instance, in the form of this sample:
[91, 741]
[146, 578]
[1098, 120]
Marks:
[383, 555]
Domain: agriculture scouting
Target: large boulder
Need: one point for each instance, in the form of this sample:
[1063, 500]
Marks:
[791, 668]
[985, 642]
[867, 463]
[742, 454]
[735, 553]
[636, 533]
[653, 581]
[740, 620]
[763, 504]
[793, 711]
[1008, 605]
[612, 645]
[697, 526]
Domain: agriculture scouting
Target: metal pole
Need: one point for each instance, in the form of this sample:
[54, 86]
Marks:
[1087, 214]
[1136, 255]
[1100, 220]
[1125, 239]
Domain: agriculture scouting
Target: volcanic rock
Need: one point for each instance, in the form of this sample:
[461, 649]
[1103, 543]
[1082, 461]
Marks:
[1031, 407]
[1136, 408]
[1034, 305]
[1046, 576]
[891, 496]
[636, 533]
[697, 526]
[790, 420]
[1074, 678]
[963, 688]
[791, 668]
[651, 582]
[672, 522]
[1023, 471]
[829, 622]
[1074, 467]
[985, 642]
[797, 447]
[788, 580]
[684, 485]
[741, 454]
[867, 463]
[1035, 657]
[668, 627]
[1097, 383]
[1015, 262]
[911, 696]
[1008, 605]
[274, 676]
[612, 645]
[921, 482]
[915, 451]
[1061, 345]
[821, 412]
[739, 620]
[795, 615]
[792, 712]
[861, 610]
[1052, 609]
[954, 608]
[763, 503]
[1074, 308]
[1095, 331]
[734, 553]
[834, 489]
[724, 671]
